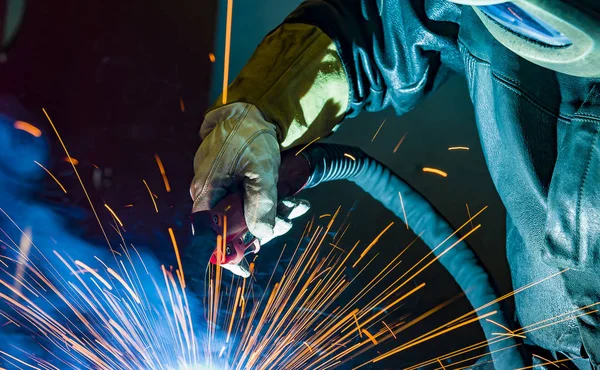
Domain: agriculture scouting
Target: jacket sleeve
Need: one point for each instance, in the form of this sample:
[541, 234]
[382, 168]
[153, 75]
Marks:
[331, 59]
[394, 52]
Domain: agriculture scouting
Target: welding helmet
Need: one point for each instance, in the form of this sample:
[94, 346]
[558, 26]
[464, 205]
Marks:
[562, 35]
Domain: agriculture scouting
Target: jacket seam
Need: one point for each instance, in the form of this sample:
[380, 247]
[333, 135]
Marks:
[541, 108]
[583, 182]
[590, 117]
[514, 86]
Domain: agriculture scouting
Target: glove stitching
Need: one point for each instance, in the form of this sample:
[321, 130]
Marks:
[247, 143]
[516, 87]
[226, 144]
[589, 117]
[541, 108]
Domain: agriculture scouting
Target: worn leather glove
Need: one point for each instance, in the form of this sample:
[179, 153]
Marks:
[292, 90]
[240, 147]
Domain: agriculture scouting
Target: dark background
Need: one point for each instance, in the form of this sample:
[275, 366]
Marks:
[112, 75]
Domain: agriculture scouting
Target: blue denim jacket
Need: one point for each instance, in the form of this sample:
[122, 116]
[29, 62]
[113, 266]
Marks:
[539, 131]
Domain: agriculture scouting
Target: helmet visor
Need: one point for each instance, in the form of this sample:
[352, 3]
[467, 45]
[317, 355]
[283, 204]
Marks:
[520, 22]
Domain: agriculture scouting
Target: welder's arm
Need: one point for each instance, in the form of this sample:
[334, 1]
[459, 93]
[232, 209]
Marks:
[329, 60]
[394, 52]
[292, 90]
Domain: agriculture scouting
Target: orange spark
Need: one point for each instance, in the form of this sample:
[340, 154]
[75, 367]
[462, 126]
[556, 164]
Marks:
[400, 143]
[235, 306]
[458, 148]
[349, 156]
[62, 143]
[325, 215]
[172, 235]
[357, 325]
[125, 285]
[73, 161]
[151, 196]
[510, 335]
[336, 247]
[380, 126]
[435, 170]
[11, 321]
[549, 363]
[372, 244]
[181, 104]
[224, 241]
[545, 359]
[114, 214]
[500, 325]
[28, 127]
[369, 335]
[386, 325]
[441, 364]
[429, 337]
[522, 330]
[16, 359]
[402, 298]
[94, 273]
[161, 168]
[469, 214]
[307, 145]
[212, 58]
[473, 357]
[227, 49]
[51, 175]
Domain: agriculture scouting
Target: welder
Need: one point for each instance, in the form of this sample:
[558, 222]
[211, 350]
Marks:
[533, 72]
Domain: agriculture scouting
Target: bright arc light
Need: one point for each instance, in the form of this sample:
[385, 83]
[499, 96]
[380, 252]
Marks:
[200, 367]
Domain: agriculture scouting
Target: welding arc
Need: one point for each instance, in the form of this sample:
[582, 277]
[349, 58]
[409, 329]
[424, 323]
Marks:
[330, 162]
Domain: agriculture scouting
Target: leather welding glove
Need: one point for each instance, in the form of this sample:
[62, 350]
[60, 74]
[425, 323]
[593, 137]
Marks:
[293, 90]
[240, 146]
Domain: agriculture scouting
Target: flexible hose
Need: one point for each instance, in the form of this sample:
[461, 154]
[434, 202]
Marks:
[330, 162]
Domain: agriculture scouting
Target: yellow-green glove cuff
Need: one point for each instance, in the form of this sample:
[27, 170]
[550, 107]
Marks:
[298, 82]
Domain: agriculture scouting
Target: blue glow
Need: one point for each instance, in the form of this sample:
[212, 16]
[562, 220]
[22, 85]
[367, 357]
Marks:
[137, 326]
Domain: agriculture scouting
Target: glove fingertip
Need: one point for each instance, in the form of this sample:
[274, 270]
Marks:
[301, 208]
[260, 208]
[261, 230]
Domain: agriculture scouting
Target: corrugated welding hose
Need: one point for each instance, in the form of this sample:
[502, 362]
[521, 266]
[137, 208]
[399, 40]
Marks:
[330, 162]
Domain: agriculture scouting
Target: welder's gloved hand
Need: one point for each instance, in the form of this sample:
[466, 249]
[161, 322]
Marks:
[240, 147]
[292, 90]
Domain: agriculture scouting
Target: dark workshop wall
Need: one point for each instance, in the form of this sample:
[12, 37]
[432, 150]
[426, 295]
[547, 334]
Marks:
[122, 81]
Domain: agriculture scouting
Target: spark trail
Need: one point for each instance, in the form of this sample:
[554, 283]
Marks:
[331, 306]
[99, 317]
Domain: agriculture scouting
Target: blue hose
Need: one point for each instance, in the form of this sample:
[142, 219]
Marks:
[328, 163]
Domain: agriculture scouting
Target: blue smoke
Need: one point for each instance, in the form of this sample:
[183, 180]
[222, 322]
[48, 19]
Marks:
[23, 207]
